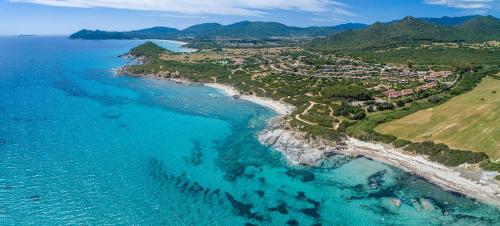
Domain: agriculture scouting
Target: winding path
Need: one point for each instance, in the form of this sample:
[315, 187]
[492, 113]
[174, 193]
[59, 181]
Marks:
[297, 116]
[335, 125]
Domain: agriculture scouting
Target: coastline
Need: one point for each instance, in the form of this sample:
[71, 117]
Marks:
[477, 184]
[483, 186]
[181, 43]
[299, 149]
[279, 107]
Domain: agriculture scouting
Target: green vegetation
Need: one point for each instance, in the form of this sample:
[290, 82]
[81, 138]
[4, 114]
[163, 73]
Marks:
[366, 128]
[213, 31]
[443, 154]
[445, 57]
[148, 49]
[149, 33]
[348, 91]
[399, 143]
[411, 32]
[457, 122]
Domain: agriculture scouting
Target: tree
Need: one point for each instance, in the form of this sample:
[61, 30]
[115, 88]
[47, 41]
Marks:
[409, 63]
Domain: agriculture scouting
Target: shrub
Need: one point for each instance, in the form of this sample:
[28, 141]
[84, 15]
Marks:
[443, 154]
[358, 115]
[387, 138]
[384, 106]
[399, 143]
[435, 99]
[490, 166]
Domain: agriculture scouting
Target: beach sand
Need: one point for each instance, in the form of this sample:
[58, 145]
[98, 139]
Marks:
[486, 189]
[279, 107]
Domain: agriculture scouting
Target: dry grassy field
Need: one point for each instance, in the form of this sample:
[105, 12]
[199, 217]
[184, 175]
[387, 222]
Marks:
[225, 54]
[470, 121]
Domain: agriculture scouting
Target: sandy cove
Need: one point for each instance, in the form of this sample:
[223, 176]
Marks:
[277, 106]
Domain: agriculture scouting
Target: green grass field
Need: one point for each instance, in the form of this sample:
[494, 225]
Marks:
[469, 122]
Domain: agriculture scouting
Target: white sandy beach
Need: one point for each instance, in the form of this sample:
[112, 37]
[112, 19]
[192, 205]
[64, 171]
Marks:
[486, 189]
[187, 50]
[277, 106]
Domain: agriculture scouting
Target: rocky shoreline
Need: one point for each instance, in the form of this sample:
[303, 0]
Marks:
[298, 149]
[295, 146]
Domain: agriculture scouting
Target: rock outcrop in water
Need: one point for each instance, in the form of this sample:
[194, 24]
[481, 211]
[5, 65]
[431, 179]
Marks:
[296, 147]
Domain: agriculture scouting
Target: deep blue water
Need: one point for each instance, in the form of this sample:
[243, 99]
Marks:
[81, 146]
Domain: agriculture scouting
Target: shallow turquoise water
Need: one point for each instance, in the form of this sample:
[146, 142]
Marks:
[81, 146]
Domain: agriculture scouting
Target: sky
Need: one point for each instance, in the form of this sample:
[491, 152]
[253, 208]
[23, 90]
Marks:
[61, 17]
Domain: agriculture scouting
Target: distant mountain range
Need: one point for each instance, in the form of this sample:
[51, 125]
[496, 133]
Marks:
[244, 29]
[449, 21]
[410, 31]
[407, 31]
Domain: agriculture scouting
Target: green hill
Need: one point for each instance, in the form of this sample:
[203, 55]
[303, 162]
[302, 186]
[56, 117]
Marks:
[449, 21]
[148, 49]
[244, 29]
[481, 28]
[412, 31]
[149, 33]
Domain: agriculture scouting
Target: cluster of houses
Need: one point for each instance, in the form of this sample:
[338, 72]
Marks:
[352, 69]
[392, 74]
[356, 72]
[436, 75]
[389, 74]
[393, 94]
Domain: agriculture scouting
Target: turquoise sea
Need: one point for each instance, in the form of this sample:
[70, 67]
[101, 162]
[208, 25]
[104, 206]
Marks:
[80, 146]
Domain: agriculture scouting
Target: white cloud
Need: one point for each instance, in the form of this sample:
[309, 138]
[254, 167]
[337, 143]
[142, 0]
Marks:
[214, 7]
[463, 4]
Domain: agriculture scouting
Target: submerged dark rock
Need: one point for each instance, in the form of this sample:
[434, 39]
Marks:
[260, 193]
[358, 188]
[69, 88]
[377, 179]
[292, 222]
[301, 195]
[196, 157]
[312, 212]
[304, 175]
[386, 192]
[234, 171]
[314, 202]
[281, 208]
[156, 168]
[183, 186]
[243, 209]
